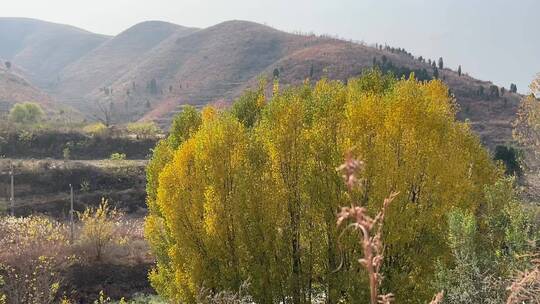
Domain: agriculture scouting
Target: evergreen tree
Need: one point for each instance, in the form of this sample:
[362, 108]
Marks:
[435, 73]
[276, 73]
[441, 63]
[152, 86]
[493, 91]
[481, 91]
[459, 71]
[513, 88]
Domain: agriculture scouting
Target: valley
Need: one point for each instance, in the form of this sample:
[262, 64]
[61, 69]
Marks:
[228, 164]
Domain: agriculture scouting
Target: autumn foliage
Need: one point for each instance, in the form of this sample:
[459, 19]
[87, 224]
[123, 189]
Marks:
[253, 193]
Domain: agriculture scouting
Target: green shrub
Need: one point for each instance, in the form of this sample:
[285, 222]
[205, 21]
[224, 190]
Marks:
[27, 113]
[485, 259]
[118, 156]
[510, 156]
[66, 153]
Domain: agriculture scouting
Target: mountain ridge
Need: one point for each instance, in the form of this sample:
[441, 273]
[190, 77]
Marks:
[108, 61]
[152, 69]
[42, 49]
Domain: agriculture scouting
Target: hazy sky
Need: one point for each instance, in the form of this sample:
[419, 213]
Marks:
[496, 40]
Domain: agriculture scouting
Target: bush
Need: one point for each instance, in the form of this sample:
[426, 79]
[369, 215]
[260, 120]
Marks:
[485, 259]
[118, 156]
[66, 153]
[34, 252]
[143, 129]
[208, 296]
[27, 113]
[36, 257]
[98, 229]
[95, 129]
[510, 156]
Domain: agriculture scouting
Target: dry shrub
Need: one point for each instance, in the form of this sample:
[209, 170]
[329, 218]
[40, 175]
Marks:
[526, 286]
[107, 235]
[98, 227]
[129, 245]
[438, 298]
[34, 252]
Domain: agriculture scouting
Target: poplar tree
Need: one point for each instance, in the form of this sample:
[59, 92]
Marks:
[253, 192]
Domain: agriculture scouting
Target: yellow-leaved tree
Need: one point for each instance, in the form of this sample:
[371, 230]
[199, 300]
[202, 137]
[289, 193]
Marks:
[253, 193]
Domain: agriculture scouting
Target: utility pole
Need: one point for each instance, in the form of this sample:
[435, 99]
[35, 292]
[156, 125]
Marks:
[12, 190]
[71, 211]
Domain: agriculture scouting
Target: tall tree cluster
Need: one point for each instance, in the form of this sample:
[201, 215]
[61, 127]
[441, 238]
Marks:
[253, 192]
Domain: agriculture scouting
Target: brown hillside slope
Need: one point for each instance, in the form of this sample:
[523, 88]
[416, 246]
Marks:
[105, 64]
[206, 66]
[490, 116]
[217, 63]
[15, 89]
[154, 68]
[42, 49]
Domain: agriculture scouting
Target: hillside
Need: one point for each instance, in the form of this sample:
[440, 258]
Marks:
[16, 89]
[152, 69]
[206, 66]
[218, 63]
[108, 62]
[42, 49]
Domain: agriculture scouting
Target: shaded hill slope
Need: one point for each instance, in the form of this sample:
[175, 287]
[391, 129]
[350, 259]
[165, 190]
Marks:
[218, 63]
[100, 67]
[15, 89]
[42, 49]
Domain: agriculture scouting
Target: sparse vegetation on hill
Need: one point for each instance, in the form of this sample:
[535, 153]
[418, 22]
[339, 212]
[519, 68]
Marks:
[15, 89]
[43, 48]
[152, 69]
[109, 61]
